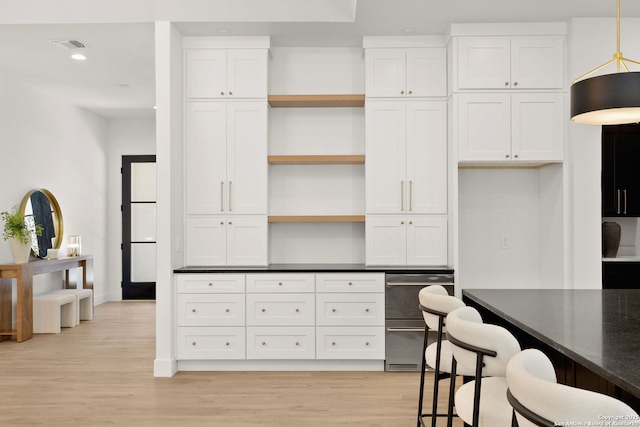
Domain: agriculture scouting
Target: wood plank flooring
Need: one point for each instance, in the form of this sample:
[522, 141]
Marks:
[101, 373]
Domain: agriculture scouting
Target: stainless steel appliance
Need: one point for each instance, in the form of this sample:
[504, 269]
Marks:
[403, 319]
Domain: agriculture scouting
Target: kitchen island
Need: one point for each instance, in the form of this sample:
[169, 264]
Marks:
[592, 336]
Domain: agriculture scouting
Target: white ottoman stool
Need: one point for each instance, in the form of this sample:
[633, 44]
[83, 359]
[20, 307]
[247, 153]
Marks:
[51, 311]
[84, 302]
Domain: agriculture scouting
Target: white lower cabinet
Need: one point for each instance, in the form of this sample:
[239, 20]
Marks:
[280, 316]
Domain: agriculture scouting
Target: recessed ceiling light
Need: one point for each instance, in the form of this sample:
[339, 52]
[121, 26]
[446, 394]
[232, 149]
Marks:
[224, 30]
[408, 30]
[78, 57]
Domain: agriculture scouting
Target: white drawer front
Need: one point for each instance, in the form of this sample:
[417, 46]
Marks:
[280, 310]
[350, 282]
[281, 343]
[210, 283]
[210, 343]
[350, 343]
[211, 310]
[278, 282]
[350, 309]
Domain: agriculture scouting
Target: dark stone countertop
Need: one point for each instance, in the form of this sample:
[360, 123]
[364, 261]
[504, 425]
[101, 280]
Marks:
[311, 268]
[600, 329]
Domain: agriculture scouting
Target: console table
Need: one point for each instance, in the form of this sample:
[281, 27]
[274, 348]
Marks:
[23, 274]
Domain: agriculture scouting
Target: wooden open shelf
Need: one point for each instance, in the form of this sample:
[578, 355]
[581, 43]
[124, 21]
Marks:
[317, 160]
[316, 218]
[315, 101]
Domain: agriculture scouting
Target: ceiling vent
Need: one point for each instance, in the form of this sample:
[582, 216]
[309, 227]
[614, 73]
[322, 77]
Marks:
[68, 44]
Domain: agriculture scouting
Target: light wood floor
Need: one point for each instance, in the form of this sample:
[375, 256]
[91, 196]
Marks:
[101, 373]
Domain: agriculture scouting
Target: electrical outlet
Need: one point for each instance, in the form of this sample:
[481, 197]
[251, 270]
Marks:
[504, 241]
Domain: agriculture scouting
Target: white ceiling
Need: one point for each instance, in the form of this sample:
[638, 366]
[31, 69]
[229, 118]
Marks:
[117, 79]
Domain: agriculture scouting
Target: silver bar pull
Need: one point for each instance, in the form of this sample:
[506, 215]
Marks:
[625, 201]
[402, 196]
[221, 196]
[230, 193]
[618, 201]
[405, 329]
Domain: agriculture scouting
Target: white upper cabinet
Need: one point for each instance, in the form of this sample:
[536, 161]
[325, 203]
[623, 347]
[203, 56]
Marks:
[226, 158]
[523, 62]
[226, 73]
[511, 127]
[410, 72]
[406, 152]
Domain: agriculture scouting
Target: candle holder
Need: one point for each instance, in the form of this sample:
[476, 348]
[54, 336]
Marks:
[74, 246]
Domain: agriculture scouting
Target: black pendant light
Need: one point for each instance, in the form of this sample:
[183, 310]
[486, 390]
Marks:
[607, 99]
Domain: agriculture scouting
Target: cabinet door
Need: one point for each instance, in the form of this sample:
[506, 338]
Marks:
[427, 241]
[247, 241]
[205, 157]
[483, 63]
[427, 156]
[206, 73]
[386, 241]
[385, 72]
[206, 242]
[385, 168]
[484, 127]
[537, 126]
[246, 185]
[537, 62]
[426, 72]
[247, 73]
[627, 161]
[610, 134]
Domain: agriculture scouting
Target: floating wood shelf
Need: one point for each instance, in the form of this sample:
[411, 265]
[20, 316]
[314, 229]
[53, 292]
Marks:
[316, 218]
[315, 101]
[317, 160]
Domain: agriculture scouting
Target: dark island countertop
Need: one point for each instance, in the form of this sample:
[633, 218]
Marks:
[311, 268]
[600, 329]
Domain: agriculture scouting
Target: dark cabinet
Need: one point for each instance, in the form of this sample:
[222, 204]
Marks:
[621, 275]
[621, 170]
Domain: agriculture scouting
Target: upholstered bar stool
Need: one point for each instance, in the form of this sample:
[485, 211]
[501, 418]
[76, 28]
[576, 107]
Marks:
[483, 401]
[436, 303]
[538, 400]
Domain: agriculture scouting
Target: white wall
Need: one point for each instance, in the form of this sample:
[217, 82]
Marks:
[592, 42]
[126, 137]
[48, 143]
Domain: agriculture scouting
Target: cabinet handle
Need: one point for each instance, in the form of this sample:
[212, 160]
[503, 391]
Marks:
[350, 283]
[402, 196]
[515, 156]
[211, 283]
[410, 196]
[410, 92]
[401, 92]
[230, 223]
[193, 343]
[333, 343]
[366, 310]
[264, 343]
[222, 93]
[506, 83]
[264, 309]
[333, 310]
[506, 156]
[515, 83]
[366, 343]
[618, 211]
[193, 310]
[625, 201]
[401, 222]
[230, 193]
[297, 343]
[279, 283]
[221, 196]
[230, 93]
[227, 310]
[297, 310]
[227, 343]
[410, 222]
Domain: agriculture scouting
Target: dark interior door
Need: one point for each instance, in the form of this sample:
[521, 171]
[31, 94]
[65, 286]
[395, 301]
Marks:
[139, 227]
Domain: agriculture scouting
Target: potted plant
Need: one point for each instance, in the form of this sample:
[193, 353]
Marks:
[18, 234]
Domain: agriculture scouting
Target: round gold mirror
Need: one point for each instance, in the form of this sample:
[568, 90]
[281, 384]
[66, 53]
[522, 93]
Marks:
[40, 207]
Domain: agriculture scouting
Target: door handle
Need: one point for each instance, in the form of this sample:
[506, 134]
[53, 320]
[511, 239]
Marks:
[618, 211]
[230, 193]
[402, 196]
[410, 196]
[625, 201]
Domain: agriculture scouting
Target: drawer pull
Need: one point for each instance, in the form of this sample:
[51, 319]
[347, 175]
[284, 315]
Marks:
[264, 343]
[349, 283]
[279, 283]
[227, 310]
[297, 343]
[297, 310]
[366, 309]
[264, 309]
[193, 310]
[366, 343]
[210, 283]
[193, 343]
[333, 343]
[333, 310]
[227, 343]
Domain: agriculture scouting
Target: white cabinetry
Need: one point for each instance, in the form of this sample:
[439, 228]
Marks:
[394, 240]
[350, 316]
[511, 127]
[523, 62]
[210, 317]
[226, 73]
[406, 152]
[232, 241]
[226, 157]
[411, 72]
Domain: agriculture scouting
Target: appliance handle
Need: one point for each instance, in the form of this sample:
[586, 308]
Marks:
[423, 284]
[405, 329]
